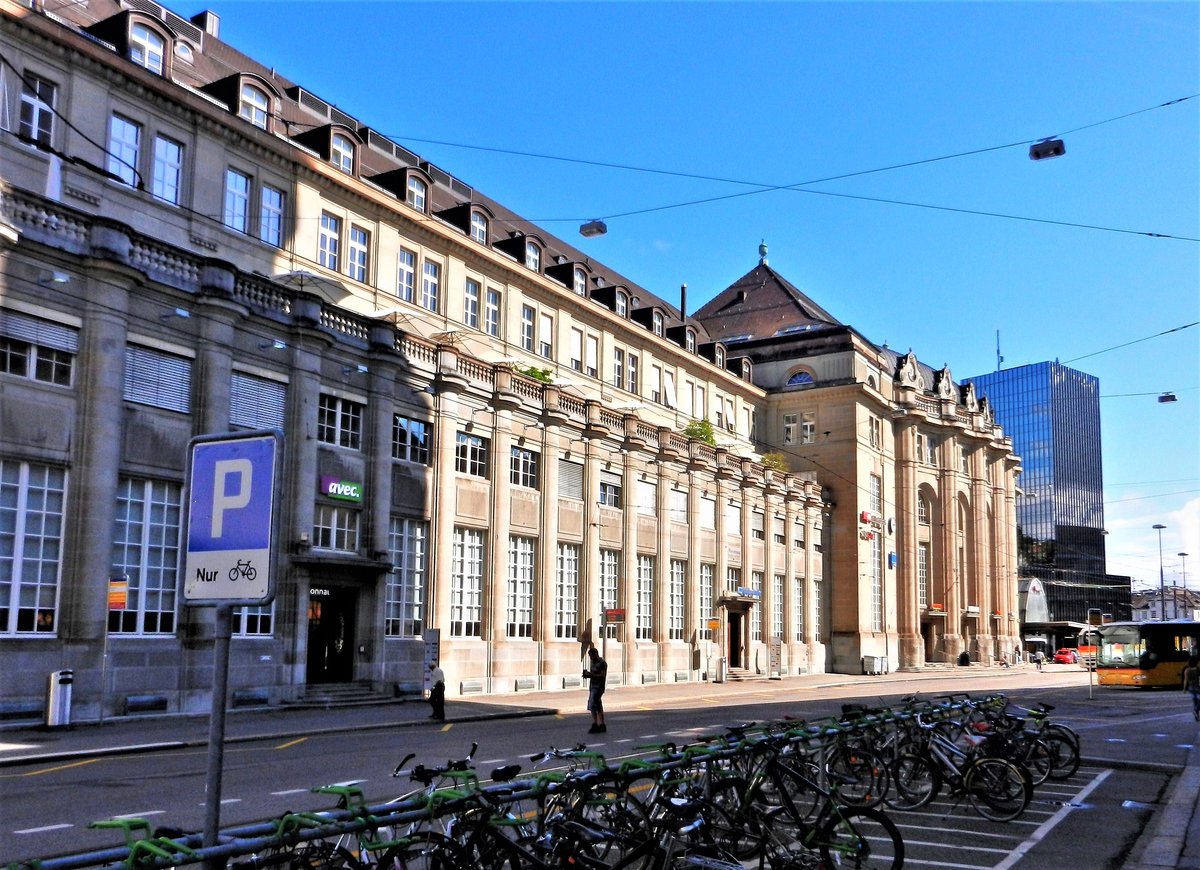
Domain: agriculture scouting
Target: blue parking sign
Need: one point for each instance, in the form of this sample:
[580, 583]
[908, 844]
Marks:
[230, 525]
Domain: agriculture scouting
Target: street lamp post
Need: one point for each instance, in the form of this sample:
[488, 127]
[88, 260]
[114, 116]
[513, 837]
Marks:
[1183, 570]
[1162, 585]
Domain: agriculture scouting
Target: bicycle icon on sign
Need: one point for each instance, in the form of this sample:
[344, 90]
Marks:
[243, 569]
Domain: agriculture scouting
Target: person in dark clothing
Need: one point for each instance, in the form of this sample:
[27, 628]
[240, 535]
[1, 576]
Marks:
[437, 692]
[597, 673]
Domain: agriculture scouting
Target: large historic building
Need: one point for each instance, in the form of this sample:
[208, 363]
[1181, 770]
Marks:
[485, 433]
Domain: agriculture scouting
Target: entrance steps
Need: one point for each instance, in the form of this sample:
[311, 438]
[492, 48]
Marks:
[741, 675]
[326, 695]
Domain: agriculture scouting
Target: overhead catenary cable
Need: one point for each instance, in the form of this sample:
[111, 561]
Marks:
[1135, 341]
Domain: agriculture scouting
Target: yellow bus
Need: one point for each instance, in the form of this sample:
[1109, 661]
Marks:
[1144, 654]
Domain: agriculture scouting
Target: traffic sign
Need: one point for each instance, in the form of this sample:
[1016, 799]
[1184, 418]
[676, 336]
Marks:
[230, 526]
[614, 616]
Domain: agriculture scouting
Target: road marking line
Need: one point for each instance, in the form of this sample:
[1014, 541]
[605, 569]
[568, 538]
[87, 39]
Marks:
[291, 743]
[1048, 825]
[447, 727]
[140, 815]
[231, 801]
[61, 767]
[289, 791]
[58, 827]
[9, 747]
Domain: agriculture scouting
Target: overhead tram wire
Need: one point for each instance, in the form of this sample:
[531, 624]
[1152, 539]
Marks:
[1135, 341]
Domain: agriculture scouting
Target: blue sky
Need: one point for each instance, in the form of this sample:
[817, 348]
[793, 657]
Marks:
[783, 93]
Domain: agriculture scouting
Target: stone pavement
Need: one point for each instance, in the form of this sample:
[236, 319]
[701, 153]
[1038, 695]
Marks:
[1172, 840]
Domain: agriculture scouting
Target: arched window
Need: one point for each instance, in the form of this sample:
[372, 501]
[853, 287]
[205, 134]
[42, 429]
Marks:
[533, 256]
[719, 356]
[690, 341]
[580, 282]
[479, 227]
[801, 379]
[622, 306]
[416, 193]
[922, 510]
[146, 48]
[657, 321]
[747, 370]
[341, 152]
[254, 106]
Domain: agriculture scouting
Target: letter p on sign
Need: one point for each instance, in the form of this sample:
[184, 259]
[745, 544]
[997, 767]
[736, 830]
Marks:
[243, 474]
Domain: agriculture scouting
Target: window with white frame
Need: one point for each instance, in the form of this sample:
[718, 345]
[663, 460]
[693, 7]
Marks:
[38, 96]
[254, 106]
[527, 328]
[579, 282]
[817, 607]
[610, 582]
[675, 600]
[757, 520]
[635, 382]
[622, 304]
[874, 431]
[610, 489]
[256, 621]
[410, 440]
[931, 451]
[166, 178]
[647, 497]
[271, 204]
[789, 428]
[777, 607]
[719, 356]
[336, 527]
[708, 512]
[730, 417]
[756, 609]
[404, 605]
[577, 349]
[491, 313]
[733, 518]
[618, 367]
[521, 571]
[656, 384]
[678, 505]
[406, 275]
[656, 322]
[358, 253]
[689, 340]
[808, 427]
[699, 404]
[644, 625]
[471, 454]
[876, 493]
[157, 378]
[922, 510]
[328, 239]
[37, 349]
[798, 532]
[32, 499]
[341, 152]
[466, 582]
[923, 575]
[733, 579]
[479, 227]
[669, 388]
[146, 48]
[124, 146]
[471, 292]
[778, 529]
[877, 583]
[964, 461]
[416, 193]
[798, 608]
[146, 552]
[566, 593]
[533, 256]
[256, 403]
[708, 575]
[546, 335]
[570, 479]
[236, 214]
[339, 421]
[431, 282]
[591, 357]
[523, 468]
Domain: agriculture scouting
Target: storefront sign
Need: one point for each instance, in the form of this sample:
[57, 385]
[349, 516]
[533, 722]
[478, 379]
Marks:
[346, 490]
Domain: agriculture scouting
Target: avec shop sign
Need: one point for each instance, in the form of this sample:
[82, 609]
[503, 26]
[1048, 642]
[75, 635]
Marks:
[343, 490]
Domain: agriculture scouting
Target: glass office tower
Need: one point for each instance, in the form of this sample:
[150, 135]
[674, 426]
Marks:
[1052, 414]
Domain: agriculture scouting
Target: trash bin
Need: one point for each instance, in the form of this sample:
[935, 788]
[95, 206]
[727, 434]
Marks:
[720, 671]
[58, 699]
[874, 665]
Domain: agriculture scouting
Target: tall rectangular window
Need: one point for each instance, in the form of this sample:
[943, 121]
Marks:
[124, 145]
[817, 607]
[410, 440]
[154, 377]
[756, 609]
[678, 505]
[778, 530]
[618, 367]
[591, 357]
[647, 498]
[358, 253]
[32, 499]
[339, 421]
[491, 313]
[876, 493]
[577, 349]
[406, 275]
[733, 580]
[431, 282]
[875, 431]
[471, 291]
[521, 572]
[237, 201]
[777, 607]
[877, 583]
[466, 583]
[708, 512]
[610, 583]
[923, 575]
[270, 215]
[644, 624]
[336, 528]
[404, 607]
[635, 381]
[37, 108]
[798, 608]
[675, 600]
[328, 241]
[798, 532]
[610, 489]
[708, 575]
[757, 532]
[471, 454]
[256, 403]
[789, 428]
[808, 427]
[546, 336]
[146, 551]
[523, 468]
[566, 593]
[167, 177]
[527, 317]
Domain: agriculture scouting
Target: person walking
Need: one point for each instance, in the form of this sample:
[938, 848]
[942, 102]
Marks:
[597, 674]
[437, 691]
[1191, 684]
[1038, 657]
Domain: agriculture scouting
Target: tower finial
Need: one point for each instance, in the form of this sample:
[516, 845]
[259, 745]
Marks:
[762, 253]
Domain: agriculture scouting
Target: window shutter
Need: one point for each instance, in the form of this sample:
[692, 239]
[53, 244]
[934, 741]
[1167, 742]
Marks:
[570, 479]
[35, 330]
[256, 403]
[159, 379]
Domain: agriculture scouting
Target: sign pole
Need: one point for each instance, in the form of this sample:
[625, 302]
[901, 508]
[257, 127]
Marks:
[216, 731]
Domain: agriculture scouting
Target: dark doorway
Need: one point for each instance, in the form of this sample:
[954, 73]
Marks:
[735, 639]
[331, 633]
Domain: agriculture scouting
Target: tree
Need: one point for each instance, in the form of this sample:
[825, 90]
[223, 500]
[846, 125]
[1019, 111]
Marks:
[776, 461]
[701, 430]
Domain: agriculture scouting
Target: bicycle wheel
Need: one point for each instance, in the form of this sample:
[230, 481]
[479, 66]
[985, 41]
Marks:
[428, 850]
[730, 796]
[1037, 758]
[916, 781]
[998, 789]
[1064, 755]
[862, 838]
[799, 782]
[861, 776]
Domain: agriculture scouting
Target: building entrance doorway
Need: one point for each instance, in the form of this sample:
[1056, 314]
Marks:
[331, 633]
[735, 639]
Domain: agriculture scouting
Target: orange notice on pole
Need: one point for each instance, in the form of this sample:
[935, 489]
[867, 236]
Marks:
[118, 594]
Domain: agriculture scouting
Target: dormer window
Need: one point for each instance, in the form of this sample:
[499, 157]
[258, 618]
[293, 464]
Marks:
[719, 356]
[690, 341]
[341, 152]
[254, 106]
[533, 256]
[747, 370]
[146, 48]
[657, 323]
[417, 190]
[479, 227]
[622, 307]
[580, 283]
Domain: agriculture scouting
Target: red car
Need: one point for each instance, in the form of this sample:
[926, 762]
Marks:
[1066, 657]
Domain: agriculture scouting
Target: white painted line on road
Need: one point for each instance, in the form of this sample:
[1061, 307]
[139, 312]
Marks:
[9, 747]
[493, 760]
[42, 830]
[230, 801]
[1050, 823]
[624, 740]
[290, 791]
[140, 815]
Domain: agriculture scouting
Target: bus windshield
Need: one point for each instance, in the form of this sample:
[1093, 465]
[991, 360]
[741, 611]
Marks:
[1121, 646]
